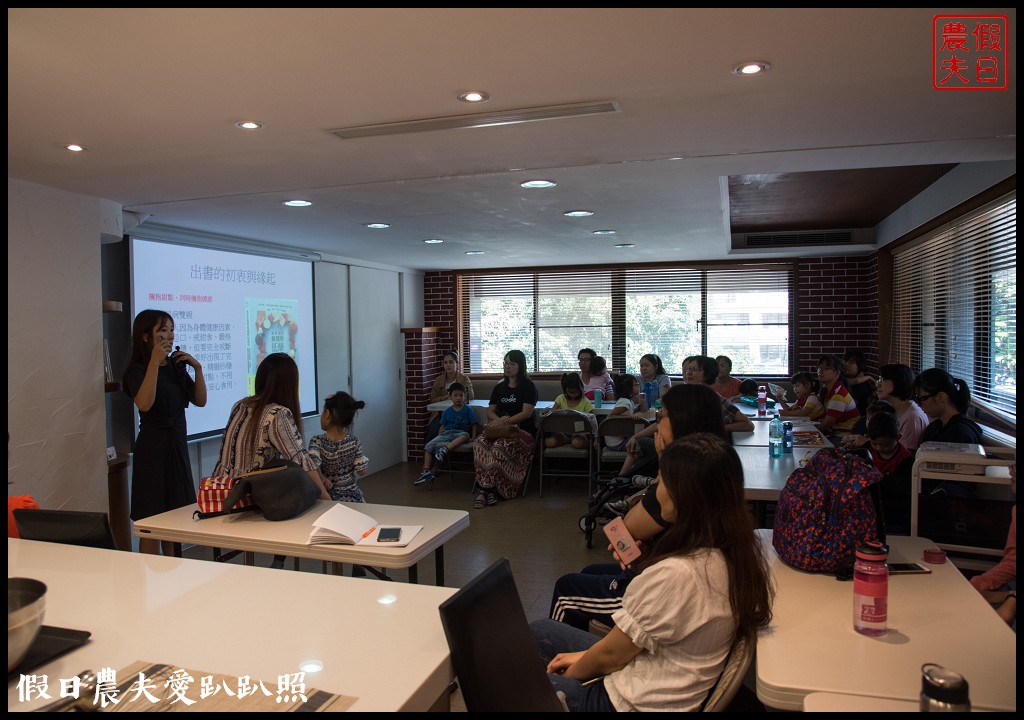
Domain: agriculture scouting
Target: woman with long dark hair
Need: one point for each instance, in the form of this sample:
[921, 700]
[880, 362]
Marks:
[704, 583]
[158, 383]
[502, 460]
[596, 591]
[267, 426]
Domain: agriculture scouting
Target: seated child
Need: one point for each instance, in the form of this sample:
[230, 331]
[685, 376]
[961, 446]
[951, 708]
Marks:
[748, 388]
[891, 458]
[859, 436]
[572, 398]
[887, 452]
[339, 452]
[808, 404]
[631, 403]
[458, 425]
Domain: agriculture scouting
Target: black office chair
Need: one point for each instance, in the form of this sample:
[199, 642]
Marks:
[71, 527]
[493, 652]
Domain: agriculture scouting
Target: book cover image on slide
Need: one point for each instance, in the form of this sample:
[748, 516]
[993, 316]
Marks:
[272, 326]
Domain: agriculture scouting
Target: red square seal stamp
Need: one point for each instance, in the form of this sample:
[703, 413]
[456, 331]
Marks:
[969, 52]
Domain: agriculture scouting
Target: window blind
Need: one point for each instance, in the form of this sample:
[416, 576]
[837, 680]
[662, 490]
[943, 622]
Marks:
[744, 311]
[955, 303]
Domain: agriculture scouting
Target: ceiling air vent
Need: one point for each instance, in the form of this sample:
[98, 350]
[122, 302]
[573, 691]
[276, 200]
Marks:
[489, 119]
[803, 238]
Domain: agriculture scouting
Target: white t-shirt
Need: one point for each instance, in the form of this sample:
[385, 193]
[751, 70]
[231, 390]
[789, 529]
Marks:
[612, 440]
[678, 612]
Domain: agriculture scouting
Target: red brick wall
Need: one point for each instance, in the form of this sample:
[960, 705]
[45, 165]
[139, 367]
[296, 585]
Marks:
[439, 307]
[837, 309]
[422, 365]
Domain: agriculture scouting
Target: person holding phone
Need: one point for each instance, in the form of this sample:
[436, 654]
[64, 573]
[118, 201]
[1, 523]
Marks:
[159, 384]
[595, 593]
[701, 585]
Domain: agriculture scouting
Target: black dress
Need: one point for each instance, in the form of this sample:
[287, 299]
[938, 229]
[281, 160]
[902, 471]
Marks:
[161, 469]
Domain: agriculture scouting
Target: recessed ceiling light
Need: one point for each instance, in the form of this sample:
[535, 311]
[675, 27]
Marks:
[474, 96]
[311, 666]
[297, 203]
[604, 232]
[248, 125]
[378, 226]
[747, 69]
[625, 245]
[530, 184]
[433, 241]
[474, 252]
[578, 213]
[76, 148]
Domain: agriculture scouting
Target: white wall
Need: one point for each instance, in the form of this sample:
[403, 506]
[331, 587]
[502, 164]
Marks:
[958, 185]
[56, 413]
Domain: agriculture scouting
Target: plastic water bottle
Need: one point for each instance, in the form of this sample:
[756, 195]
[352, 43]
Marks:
[787, 437]
[943, 690]
[762, 401]
[871, 590]
[776, 438]
[597, 398]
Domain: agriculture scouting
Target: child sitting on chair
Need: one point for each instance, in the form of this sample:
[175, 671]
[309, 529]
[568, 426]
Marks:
[631, 403]
[572, 398]
[458, 425]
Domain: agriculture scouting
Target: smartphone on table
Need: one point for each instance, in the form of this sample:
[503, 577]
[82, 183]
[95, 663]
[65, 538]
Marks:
[910, 568]
[622, 542]
[389, 534]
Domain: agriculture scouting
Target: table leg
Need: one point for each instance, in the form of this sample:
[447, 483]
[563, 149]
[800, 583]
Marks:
[250, 558]
[439, 565]
[414, 574]
[760, 513]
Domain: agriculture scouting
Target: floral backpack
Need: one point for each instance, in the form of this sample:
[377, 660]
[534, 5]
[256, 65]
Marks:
[827, 508]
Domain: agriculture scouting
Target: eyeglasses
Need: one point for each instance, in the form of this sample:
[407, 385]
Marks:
[921, 398]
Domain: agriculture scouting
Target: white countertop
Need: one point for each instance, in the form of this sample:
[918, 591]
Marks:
[811, 645]
[232, 619]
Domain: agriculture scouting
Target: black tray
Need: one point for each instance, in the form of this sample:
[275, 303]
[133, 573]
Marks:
[50, 644]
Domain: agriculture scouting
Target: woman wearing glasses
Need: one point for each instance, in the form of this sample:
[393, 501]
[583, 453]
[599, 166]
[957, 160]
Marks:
[945, 400]
[896, 386]
[503, 455]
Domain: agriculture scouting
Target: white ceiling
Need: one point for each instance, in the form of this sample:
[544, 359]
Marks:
[155, 93]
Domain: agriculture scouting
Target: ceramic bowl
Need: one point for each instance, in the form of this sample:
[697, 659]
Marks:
[26, 604]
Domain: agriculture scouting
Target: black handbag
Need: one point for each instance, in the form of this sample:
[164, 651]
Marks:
[280, 492]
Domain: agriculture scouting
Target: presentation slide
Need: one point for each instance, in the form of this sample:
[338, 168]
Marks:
[230, 311]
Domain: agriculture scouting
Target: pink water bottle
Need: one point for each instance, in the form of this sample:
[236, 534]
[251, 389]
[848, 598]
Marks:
[871, 589]
[762, 401]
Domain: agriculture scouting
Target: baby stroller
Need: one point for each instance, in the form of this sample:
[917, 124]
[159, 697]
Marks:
[611, 500]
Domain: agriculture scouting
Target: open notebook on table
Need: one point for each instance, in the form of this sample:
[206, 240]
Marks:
[343, 525]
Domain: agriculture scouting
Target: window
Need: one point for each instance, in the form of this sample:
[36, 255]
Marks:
[743, 311]
[955, 304]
